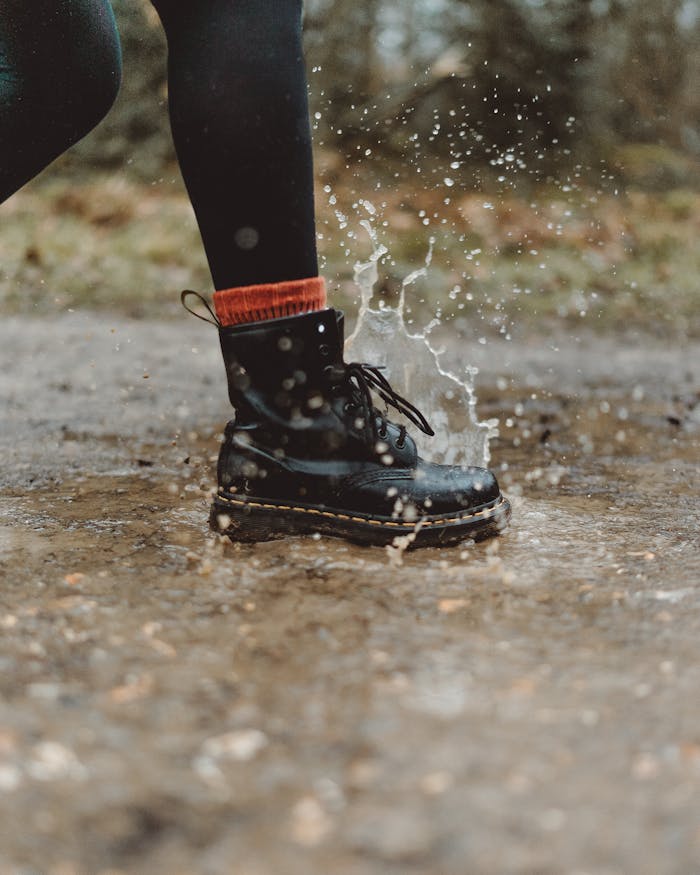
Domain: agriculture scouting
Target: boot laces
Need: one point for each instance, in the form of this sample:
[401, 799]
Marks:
[362, 379]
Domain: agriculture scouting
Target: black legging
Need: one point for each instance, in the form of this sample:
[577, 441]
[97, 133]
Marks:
[238, 109]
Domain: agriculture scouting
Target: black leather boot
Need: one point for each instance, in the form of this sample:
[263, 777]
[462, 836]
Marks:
[308, 452]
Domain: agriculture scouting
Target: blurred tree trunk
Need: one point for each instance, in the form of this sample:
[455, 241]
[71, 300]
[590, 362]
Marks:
[652, 72]
[342, 40]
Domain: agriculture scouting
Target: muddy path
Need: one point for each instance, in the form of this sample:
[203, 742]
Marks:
[170, 704]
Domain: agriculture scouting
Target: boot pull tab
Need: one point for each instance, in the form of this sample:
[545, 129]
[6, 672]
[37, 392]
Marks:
[207, 306]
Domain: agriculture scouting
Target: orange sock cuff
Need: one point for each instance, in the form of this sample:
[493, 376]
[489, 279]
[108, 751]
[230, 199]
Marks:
[269, 300]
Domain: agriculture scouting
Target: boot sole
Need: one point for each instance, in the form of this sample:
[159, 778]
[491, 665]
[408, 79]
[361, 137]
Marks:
[253, 519]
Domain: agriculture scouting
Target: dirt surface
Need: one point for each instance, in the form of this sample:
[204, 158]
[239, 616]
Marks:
[173, 706]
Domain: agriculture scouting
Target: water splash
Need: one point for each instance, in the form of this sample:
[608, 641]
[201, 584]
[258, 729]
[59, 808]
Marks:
[413, 367]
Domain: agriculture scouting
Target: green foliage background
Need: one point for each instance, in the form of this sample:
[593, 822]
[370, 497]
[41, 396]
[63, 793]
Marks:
[556, 82]
[547, 151]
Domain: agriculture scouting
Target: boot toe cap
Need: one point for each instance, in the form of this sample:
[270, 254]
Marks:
[446, 489]
[428, 489]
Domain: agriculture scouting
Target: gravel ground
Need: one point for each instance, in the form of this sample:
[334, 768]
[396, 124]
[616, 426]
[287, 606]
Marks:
[170, 704]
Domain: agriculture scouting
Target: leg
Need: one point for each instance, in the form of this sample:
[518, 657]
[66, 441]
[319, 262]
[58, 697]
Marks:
[307, 450]
[239, 115]
[60, 67]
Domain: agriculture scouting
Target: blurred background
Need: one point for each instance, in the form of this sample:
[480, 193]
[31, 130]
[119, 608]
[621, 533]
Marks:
[547, 152]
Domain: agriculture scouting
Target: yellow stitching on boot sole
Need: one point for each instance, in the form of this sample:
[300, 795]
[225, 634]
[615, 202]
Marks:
[487, 511]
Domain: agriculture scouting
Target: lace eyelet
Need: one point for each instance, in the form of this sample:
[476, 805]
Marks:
[325, 350]
[382, 433]
[400, 444]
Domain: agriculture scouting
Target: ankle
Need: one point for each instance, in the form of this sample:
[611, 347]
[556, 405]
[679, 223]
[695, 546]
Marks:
[257, 303]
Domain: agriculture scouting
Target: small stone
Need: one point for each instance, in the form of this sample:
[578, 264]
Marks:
[51, 761]
[435, 783]
[309, 822]
[10, 778]
[645, 767]
[451, 606]
[241, 745]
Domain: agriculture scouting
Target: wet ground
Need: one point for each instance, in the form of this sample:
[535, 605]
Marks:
[173, 706]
